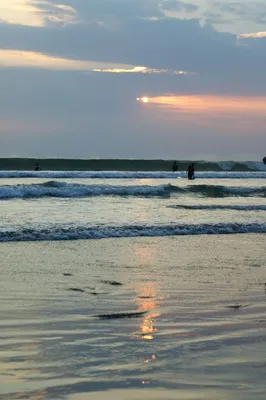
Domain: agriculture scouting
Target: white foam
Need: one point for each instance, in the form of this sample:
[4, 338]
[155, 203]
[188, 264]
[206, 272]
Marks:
[134, 175]
[70, 190]
[83, 232]
[63, 189]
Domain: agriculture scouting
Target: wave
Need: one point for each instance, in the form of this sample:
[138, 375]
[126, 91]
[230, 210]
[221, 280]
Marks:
[68, 190]
[72, 190]
[234, 166]
[131, 175]
[222, 191]
[59, 164]
[235, 207]
[125, 231]
[253, 165]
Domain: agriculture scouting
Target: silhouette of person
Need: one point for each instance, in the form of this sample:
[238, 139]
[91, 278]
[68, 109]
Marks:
[191, 171]
[37, 167]
[174, 166]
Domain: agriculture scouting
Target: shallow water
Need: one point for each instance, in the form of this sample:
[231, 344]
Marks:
[189, 344]
[90, 208]
[184, 260]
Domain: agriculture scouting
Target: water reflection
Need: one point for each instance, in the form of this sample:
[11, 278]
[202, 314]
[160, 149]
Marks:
[36, 395]
[146, 300]
[147, 294]
[145, 254]
[16, 370]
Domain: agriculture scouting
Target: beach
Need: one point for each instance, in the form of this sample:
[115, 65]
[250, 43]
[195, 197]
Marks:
[132, 200]
[126, 285]
[191, 343]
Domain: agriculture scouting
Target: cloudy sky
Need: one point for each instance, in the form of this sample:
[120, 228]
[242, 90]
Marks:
[71, 72]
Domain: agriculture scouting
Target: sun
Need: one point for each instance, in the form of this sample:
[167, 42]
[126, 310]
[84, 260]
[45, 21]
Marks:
[143, 99]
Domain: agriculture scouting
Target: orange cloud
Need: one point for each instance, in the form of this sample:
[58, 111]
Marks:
[229, 113]
[31, 13]
[142, 70]
[211, 104]
[19, 58]
[255, 35]
[33, 59]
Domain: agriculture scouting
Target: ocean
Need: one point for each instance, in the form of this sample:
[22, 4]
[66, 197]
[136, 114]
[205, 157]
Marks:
[133, 284]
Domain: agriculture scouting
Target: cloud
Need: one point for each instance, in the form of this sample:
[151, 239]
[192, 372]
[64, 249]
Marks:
[234, 8]
[113, 11]
[214, 18]
[210, 104]
[21, 12]
[163, 44]
[18, 58]
[175, 5]
[166, 44]
[56, 13]
[255, 35]
[251, 11]
[235, 114]
[30, 59]
[141, 70]
[38, 13]
[82, 75]
[97, 115]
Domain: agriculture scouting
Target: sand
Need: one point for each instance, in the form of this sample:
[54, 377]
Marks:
[190, 342]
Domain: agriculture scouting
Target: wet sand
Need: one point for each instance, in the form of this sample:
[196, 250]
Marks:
[198, 331]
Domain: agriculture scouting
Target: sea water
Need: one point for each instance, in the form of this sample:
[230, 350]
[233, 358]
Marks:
[132, 285]
[71, 205]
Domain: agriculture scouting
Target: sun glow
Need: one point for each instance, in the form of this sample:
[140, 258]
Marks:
[209, 104]
[143, 99]
[254, 35]
[146, 301]
[241, 113]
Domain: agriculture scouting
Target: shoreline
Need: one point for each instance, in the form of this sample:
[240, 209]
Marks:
[64, 164]
[201, 311]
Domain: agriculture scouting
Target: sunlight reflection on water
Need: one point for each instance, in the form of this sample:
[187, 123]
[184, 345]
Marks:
[189, 343]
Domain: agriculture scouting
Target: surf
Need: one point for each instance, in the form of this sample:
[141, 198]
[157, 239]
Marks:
[80, 232]
[226, 174]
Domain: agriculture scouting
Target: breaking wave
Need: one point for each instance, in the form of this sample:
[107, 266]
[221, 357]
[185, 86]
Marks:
[226, 174]
[223, 191]
[71, 190]
[125, 231]
[63, 189]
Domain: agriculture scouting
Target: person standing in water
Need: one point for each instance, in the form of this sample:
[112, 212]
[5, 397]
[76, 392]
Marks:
[37, 167]
[174, 166]
[191, 171]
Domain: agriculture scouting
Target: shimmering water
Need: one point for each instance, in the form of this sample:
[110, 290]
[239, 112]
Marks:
[83, 208]
[202, 295]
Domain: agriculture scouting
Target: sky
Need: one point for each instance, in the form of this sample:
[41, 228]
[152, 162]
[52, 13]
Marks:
[74, 73]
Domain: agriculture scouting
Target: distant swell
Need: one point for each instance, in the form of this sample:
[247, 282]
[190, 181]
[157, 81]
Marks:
[83, 232]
